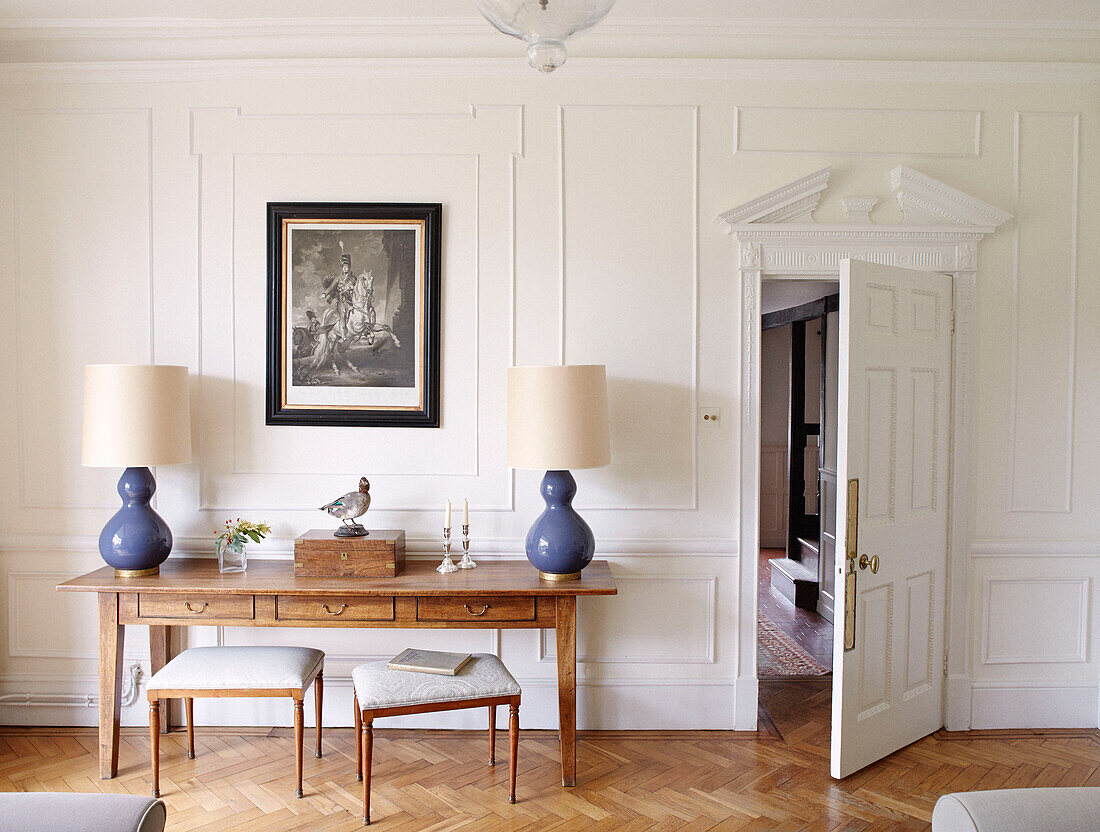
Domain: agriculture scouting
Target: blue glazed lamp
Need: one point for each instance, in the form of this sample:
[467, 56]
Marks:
[135, 416]
[557, 421]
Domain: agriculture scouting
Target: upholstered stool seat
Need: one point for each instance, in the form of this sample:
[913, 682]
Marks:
[376, 686]
[482, 681]
[221, 668]
[232, 672]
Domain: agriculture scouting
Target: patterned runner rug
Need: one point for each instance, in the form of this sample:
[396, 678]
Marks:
[778, 654]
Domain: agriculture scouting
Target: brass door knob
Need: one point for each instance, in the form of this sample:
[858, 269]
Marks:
[872, 562]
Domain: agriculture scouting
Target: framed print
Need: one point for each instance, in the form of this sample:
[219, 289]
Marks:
[353, 306]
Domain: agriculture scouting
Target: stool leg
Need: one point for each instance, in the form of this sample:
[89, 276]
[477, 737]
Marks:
[513, 748]
[299, 726]
[368, 760]
[492, 735]
[358, 739]
[154, 741]
[318, 695]
[189, 707]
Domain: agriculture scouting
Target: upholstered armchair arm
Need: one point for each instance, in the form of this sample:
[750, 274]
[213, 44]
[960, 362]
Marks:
[1019, 810]
[53, 812]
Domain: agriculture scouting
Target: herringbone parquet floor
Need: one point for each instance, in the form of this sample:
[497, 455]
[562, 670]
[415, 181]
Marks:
[242, 781]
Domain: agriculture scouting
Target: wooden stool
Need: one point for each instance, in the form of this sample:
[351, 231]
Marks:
[236, 672]
[379, 691]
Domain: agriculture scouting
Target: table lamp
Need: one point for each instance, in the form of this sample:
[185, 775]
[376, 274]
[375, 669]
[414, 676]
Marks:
[136, 416]
[557, 420]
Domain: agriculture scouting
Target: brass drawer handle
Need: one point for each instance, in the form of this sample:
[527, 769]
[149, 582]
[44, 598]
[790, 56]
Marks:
[330, 612]
[484, 607]
[192, 609]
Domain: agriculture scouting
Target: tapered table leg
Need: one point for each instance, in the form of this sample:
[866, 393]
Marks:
[154, 744]
[189, 713]
[513, 750]
[492, 735]
[368, 763]
[358, 739]
[566, 629]
[111, 641]
[299, 732]
[318, 704]
[159, 656]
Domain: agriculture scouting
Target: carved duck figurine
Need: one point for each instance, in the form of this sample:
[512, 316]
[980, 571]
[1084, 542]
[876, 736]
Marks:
[348, 507]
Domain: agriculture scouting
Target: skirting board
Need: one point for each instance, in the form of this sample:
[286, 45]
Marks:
[607, 706]
[1009, 705]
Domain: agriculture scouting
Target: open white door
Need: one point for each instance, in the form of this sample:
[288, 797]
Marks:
[893, 433]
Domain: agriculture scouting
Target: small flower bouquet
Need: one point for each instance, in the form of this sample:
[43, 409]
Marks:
[231, 542]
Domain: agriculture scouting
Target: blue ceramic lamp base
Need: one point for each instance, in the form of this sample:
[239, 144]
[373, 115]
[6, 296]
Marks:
[136, 540]
[560, 544]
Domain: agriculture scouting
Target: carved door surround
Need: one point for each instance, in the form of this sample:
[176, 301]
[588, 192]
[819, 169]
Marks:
[777, 238]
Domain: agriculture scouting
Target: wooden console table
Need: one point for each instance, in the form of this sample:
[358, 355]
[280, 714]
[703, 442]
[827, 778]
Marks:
[496, 595]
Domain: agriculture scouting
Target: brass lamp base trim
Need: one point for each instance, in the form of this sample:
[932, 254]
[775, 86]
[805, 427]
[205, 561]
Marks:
[136, 573]
[556, 576]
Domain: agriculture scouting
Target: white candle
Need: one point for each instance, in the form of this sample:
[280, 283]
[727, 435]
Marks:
[447, 521]
[465, 512]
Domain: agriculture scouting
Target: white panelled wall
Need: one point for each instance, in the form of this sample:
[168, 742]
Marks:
[578, 227]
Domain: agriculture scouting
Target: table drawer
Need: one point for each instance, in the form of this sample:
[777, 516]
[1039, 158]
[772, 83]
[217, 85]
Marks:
[196, 606]
[475, 608]
[333, 608]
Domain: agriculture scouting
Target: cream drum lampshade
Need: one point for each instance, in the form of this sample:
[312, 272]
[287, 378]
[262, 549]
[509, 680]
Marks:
[136, 415]
[557, 420]
[557, 417]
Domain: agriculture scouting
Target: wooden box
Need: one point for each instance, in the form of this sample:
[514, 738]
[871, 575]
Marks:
[381, 554]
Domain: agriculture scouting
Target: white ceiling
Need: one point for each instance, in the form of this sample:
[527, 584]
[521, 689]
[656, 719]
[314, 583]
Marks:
[936, 11]
[1049, 31]
[784, 294]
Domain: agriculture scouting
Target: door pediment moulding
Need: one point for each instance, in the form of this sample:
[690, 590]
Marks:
[942, 226]
[777, 237]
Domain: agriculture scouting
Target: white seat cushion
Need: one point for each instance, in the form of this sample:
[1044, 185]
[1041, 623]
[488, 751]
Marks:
[484, 676]
[234, 668]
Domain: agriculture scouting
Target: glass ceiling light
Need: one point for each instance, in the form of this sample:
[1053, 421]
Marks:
[544, 24]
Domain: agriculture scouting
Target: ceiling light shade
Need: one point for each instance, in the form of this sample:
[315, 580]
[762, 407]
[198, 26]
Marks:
[544, 24]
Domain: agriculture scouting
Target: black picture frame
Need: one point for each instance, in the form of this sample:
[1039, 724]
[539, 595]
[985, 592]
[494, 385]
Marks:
[283, 219]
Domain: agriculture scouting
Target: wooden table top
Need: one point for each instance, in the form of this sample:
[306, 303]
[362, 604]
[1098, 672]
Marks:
[271, 577]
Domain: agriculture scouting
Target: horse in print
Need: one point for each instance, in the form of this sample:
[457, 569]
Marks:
[351, 320]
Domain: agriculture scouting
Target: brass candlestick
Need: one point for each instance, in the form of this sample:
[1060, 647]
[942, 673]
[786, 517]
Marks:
[467, 562]
[447, 565]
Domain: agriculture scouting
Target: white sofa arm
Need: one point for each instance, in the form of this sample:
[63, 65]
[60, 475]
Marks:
[1019, 810]
[53, 811]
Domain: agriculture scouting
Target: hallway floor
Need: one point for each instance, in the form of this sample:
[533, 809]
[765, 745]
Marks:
[809, 630]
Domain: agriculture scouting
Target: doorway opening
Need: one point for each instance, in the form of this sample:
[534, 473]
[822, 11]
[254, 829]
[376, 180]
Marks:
[798, 481]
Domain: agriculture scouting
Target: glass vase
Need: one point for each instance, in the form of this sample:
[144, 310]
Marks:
[231, 556]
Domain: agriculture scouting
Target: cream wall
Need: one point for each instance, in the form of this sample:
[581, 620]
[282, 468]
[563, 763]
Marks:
[577, 226]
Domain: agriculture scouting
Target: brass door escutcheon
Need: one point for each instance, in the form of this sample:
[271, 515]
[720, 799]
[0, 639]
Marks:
[851, 543]
[872, 562]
